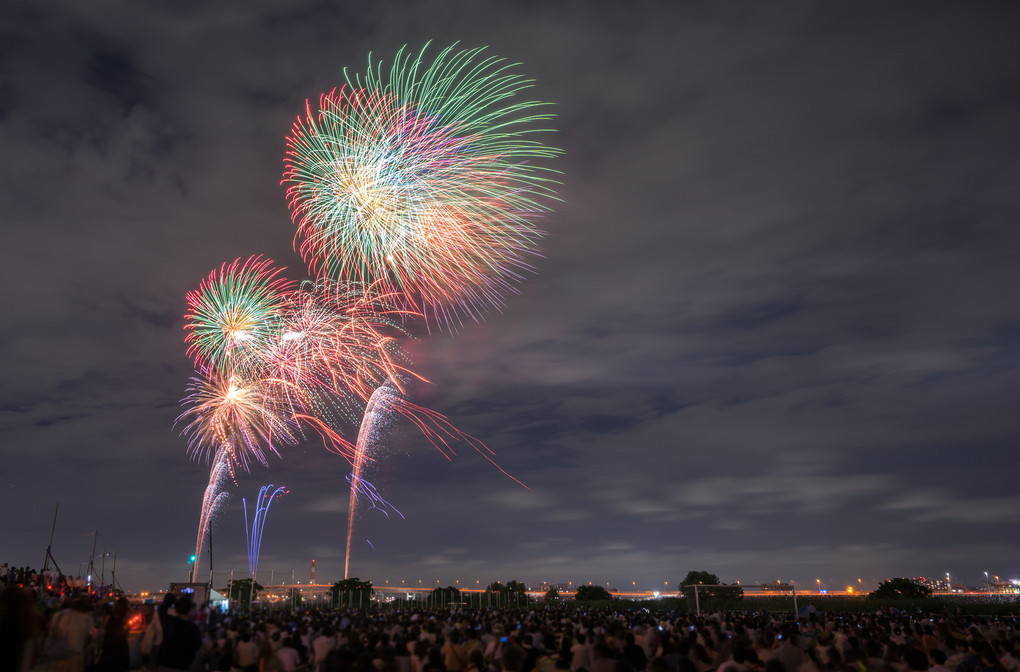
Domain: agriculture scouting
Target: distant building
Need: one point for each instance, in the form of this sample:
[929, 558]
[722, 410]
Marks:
[776, 587]
[1011, 587]
[939, 585]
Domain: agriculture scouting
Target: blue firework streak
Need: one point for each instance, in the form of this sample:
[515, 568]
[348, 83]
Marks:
[363, 488]
[259, 520]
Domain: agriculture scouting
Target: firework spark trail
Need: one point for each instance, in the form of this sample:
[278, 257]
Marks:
[213, 500]
[385, 404]
[375, 500]
[333, 346]
[376, 416]
[254, 539]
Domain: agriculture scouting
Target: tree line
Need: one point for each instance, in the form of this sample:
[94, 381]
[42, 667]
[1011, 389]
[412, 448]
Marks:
[706, 585]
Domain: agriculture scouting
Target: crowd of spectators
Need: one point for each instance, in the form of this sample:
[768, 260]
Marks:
[47, 580]
[176, 635]
[55, 623]
[549, 638]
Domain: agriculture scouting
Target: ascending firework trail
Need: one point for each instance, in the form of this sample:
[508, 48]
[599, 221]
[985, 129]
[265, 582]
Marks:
[386, 404]
[266, 495]
[376, 417]
[213, 500]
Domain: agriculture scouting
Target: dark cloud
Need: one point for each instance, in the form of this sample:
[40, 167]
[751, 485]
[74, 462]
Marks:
[113, 71]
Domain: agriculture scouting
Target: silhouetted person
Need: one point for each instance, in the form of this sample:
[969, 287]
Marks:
[181, 638]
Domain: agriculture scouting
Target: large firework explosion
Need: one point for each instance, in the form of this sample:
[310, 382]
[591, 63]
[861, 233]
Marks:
[276, 359]
[423, 177]
[416, 191]
[230, 315]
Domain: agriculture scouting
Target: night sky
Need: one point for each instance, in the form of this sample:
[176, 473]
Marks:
[773, 334]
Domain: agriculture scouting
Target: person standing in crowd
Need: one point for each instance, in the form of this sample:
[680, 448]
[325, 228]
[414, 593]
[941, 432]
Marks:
[580, 654]
[476, 662]
[115, 655]
[419, 656]
[288, 655]
[740, 660]
[321, 646]
[181, 638]
[17, 629]
[246, 652]
[75, 626]
[454, 658]
[266, 656]
[157, 626]
[512, 656]
[633, 653]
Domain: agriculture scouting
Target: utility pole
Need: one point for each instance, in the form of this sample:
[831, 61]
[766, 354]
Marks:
[695, 586]
[208, 592]
[92, 558]
[49, 547]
